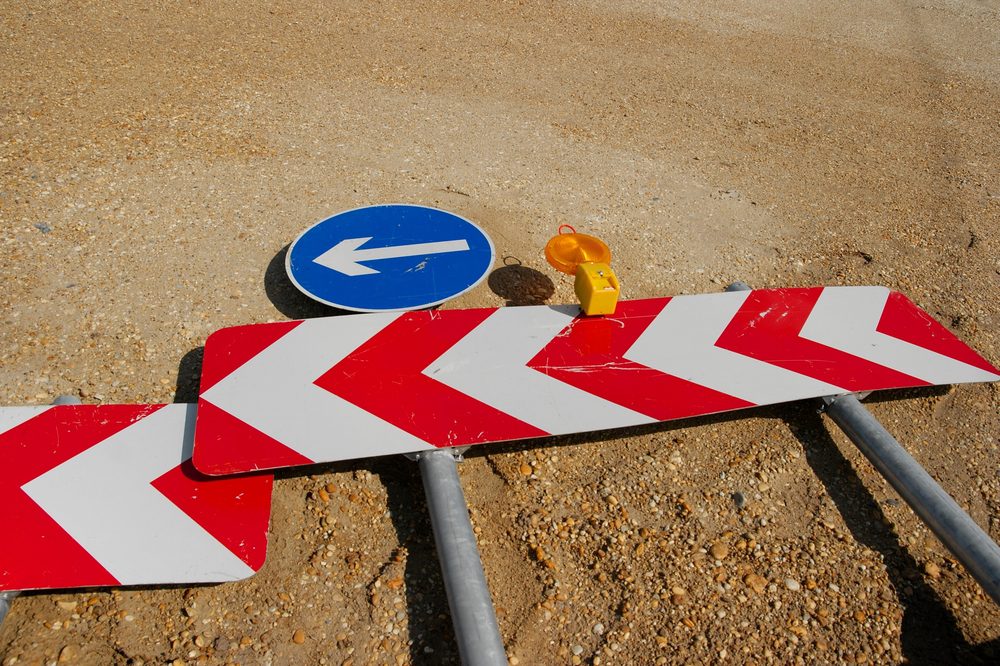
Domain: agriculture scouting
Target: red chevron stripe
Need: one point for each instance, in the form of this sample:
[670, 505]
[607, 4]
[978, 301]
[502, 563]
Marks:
[228, 508]
[232, 347]
[590, 355]
[41, 554]
[44, 551]
[264, 451]
[902, 319]
[767, 328]
[384, 376]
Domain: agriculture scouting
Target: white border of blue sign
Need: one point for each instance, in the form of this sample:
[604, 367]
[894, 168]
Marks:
[291, 246]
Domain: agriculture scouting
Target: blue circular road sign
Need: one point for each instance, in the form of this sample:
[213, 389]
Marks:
[389, 258]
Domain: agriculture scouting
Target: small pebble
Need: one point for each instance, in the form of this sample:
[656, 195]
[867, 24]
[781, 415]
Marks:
[598, 628]
[739, 499]
[299, 637]
[792, 584]
[932, 570]
[719, 550]
[755, 582]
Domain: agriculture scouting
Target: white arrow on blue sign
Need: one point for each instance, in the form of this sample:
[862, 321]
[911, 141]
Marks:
[389, 258]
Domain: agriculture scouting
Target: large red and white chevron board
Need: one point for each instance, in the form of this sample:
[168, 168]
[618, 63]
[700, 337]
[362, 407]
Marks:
[320, 390]
[106, 495]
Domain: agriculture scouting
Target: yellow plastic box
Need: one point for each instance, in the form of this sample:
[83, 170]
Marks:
[597, 288]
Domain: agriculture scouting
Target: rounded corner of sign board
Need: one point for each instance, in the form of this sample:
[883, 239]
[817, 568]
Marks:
[220, 334]
[258, 562]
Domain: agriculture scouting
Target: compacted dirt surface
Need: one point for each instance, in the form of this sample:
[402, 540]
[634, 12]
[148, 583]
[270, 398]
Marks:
[156, 158]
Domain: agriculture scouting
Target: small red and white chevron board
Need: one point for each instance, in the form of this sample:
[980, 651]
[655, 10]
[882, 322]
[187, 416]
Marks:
[106, 495]
[320, 390]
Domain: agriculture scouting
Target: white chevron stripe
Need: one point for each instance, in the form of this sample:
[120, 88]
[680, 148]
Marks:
[490, 364]
[127, 525]
[11, 417]
[845, 318]
[681, 342]
[274, 392]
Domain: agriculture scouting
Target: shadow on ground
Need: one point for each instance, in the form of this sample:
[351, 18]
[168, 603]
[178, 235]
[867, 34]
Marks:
[929, 633]
[287, 298]
[520, 285]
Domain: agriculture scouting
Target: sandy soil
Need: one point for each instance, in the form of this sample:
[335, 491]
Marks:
[157, 157]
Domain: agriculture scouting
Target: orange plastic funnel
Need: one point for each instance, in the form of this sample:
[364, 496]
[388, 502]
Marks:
[566, 251]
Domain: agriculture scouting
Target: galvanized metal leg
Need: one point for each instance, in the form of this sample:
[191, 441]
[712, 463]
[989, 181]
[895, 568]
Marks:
[953, 526]
[472, 613]
[7, 598]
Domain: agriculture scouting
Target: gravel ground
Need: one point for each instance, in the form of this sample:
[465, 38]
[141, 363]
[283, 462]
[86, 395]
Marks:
[156, 158]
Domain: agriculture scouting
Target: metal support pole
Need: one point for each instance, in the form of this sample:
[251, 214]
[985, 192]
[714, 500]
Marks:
[953, 526]
[7, 598]
[472, 614]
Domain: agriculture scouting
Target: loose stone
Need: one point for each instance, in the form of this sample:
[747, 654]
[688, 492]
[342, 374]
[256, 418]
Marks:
[719, 550]
[755, 582]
